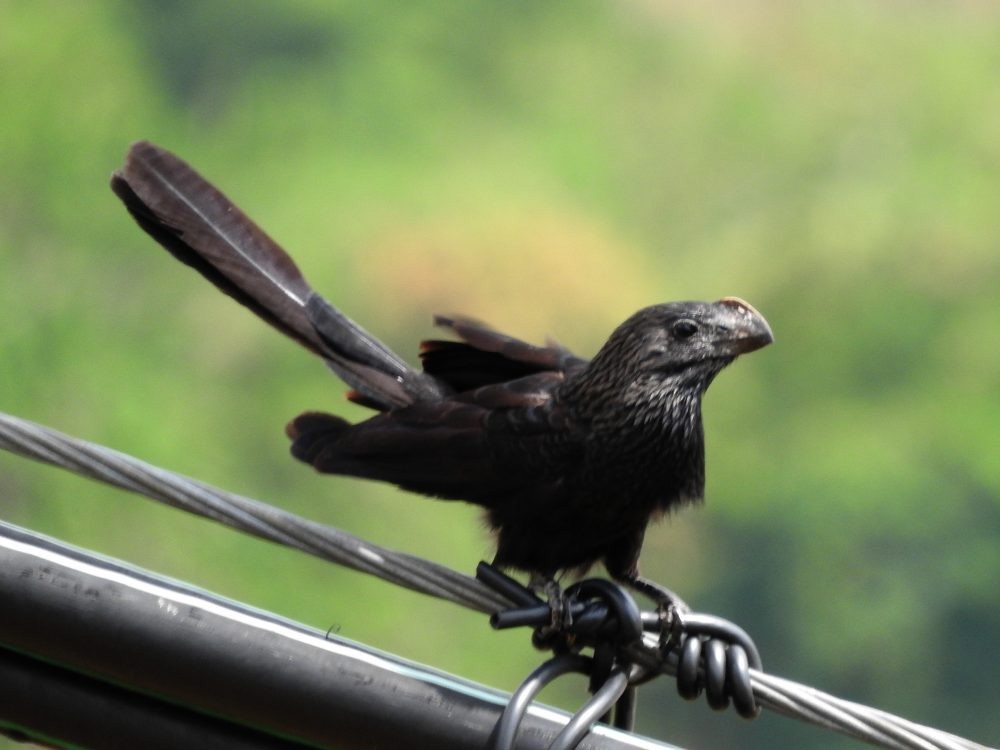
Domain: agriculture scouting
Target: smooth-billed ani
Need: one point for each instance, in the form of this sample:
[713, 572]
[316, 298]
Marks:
[570, 458]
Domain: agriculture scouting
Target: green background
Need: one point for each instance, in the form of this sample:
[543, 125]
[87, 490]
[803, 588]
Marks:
[550, 168]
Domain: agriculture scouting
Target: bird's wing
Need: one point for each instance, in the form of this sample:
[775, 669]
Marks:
[438, 448]
[486, 357]
[479, 446]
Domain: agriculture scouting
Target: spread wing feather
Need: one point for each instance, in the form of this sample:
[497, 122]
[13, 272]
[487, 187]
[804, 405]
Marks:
[486, 356]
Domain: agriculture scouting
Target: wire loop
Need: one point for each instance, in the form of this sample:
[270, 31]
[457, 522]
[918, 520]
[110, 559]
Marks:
[711, 655]
[509, 722]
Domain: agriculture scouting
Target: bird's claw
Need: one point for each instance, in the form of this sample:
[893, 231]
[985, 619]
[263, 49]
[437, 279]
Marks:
[559, 605]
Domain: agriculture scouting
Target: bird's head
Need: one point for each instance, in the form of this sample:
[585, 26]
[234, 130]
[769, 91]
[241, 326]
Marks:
[674, 336]
[682, 341]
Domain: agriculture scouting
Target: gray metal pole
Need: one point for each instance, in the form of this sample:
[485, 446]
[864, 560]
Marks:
[190, 649]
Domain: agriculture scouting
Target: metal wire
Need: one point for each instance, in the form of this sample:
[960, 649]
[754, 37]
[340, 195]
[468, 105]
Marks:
[259, 519]
[599, 704]
[510, 720]
[712, 655]
[251, 516]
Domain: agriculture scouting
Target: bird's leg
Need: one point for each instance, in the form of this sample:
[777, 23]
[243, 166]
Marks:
[622, 562]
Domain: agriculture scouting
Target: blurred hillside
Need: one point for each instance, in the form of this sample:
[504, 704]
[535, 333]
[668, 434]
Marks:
[550, 168]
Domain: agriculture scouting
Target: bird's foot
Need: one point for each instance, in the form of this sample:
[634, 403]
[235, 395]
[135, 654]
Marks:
[670, 607]
[553, 618]
[559, 603]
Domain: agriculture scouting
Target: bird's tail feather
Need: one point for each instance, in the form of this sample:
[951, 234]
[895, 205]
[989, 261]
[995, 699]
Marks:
[202, 228]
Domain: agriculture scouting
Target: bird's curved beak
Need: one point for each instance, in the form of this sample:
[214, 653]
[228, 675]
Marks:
[745, 329]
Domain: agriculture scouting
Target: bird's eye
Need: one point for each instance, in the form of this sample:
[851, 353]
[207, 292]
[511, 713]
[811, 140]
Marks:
[685, 329]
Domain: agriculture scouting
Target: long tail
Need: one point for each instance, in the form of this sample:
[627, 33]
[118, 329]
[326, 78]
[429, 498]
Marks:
[202, 228]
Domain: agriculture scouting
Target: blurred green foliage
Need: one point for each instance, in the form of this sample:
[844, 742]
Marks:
[549, 167]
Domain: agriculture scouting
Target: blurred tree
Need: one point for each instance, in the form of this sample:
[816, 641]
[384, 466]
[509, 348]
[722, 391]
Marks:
[550, 168]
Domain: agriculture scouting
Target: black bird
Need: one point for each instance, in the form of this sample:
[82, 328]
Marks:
[570, 458]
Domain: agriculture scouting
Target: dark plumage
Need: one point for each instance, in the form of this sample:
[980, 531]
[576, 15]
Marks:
[570, 458]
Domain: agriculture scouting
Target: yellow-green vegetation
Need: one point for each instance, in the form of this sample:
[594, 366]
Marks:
[548, 167]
